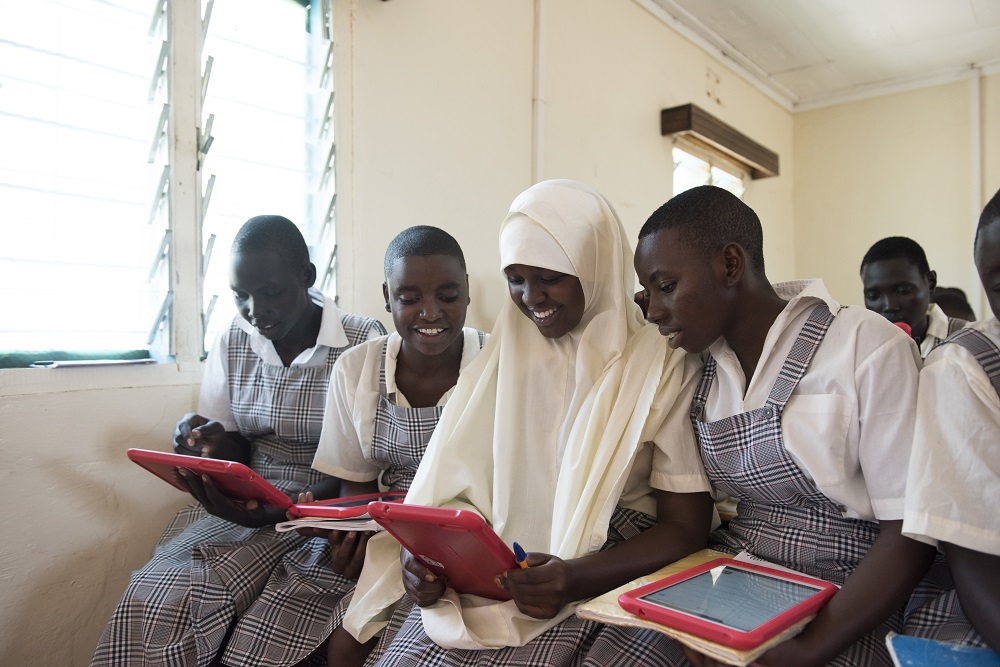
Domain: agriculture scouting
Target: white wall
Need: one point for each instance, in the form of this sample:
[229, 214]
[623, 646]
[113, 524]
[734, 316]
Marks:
[434, 112]
[78, 515]
[902, 165]
[441, 105]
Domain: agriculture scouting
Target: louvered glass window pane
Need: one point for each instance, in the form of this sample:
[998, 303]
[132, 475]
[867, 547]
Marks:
[75, 181]
[262, 92]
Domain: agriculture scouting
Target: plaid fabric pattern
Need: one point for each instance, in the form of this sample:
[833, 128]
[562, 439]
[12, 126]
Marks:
[781, 515]
[574, 642]
[934, 611]
[302, 603]
[982, 349]
[206, 572]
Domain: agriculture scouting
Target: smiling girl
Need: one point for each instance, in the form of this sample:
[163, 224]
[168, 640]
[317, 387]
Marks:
[385, 398]
[558, 445]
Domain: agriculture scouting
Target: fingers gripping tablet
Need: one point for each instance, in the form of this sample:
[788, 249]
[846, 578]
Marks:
[736, 604]
[457, 544]
[233, 479]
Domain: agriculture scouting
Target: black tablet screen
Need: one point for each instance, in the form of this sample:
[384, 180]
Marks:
[736, 598]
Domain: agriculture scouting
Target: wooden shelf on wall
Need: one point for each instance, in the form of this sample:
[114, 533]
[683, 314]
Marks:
[693, 121]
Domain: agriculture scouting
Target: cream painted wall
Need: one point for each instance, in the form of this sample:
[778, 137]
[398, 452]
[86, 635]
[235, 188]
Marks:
[79, 517]
[434, 114]
[611, 68]
[900, 164]
[440, 101]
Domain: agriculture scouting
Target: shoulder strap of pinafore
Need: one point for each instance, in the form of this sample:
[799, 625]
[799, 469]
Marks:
[983, 350]
[801, 354]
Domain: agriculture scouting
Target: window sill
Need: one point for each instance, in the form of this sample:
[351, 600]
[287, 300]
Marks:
[26, 381]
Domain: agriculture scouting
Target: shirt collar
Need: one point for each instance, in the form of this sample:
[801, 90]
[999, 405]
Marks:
[800, 294]
[331, 333]
[937, 323]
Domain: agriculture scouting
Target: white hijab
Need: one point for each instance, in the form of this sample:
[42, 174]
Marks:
[540, 434]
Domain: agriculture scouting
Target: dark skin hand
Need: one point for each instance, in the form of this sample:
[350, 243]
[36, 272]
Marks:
[550, 583]
[978, 589]
[195, 435]
[249, 513]
[347, 547]
[882, 583]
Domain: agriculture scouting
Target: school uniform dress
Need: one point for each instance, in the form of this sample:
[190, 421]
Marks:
[939, 327]
[369, 430]
[815, 452]
[953, 488]
[205, 571]
[548, 440]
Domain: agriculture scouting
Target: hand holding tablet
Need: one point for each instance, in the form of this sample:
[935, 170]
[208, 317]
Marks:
[456, 544]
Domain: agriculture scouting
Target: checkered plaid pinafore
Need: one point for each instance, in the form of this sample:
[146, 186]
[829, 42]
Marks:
[401, 434]
[296, 614]
[206, 572]
[781, 515]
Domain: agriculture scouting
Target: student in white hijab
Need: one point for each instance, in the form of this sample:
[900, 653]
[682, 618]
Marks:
[558, 434]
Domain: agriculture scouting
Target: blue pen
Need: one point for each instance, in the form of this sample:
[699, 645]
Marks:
[520, 556]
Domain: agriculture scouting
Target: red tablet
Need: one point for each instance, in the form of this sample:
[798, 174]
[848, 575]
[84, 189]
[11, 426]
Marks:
[740, 605]
[233, 479]
[349, 507]
[457, 544]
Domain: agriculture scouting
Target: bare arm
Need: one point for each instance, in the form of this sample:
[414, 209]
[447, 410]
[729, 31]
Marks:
[978, 587]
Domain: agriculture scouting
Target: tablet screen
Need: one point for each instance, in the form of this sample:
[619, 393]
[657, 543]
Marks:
[739, 599]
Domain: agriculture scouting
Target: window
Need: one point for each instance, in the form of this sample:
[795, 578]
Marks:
[271, 152]
[694, 167]
[76, 245]
[111, 218]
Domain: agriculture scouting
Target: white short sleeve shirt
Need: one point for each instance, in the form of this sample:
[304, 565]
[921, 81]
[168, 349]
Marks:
[213, 397]
[953, 490]
[345, 445]
[849, 423]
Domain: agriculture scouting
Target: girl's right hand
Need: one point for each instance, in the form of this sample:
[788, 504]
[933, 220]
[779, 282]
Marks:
[193, 432]
[423, 586]
[195, 435]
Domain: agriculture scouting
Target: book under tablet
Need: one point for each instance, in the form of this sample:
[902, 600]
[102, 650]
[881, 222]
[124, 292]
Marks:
[736, 604]
[349, 513]
[456, 544]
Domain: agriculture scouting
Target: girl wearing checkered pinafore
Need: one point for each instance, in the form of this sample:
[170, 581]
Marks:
[300, 607]
[781, 515]
[206, 571]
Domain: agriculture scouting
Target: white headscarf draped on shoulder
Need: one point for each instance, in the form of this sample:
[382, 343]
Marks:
[540, 434]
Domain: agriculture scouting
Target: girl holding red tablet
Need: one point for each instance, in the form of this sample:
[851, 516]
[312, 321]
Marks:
[262, 399]
[555, 441]
[384, 400]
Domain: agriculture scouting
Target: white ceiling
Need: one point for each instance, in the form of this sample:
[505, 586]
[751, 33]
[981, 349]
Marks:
[810, 53]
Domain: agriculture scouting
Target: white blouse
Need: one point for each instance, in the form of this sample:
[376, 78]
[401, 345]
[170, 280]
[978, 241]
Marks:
[849, 423]
[954, 479]
[345, 446]
[213, 398]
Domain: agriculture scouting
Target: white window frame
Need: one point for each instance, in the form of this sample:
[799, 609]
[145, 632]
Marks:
[714, 158]
[184, 199]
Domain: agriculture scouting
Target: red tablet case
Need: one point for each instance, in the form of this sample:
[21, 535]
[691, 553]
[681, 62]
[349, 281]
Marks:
[233, 479]
[737, 639]
[350, 507]
[457, 544]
